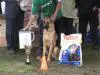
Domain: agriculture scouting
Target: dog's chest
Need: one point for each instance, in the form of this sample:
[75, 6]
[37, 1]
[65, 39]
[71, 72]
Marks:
[49, 37]
[49, 34]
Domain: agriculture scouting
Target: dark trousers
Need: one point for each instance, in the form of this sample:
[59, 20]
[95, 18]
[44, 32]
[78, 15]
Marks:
[13, 25]
[39, 51]
[92, 19]
[63, 25]
[0, 9]
[67, 25]
[58, 29]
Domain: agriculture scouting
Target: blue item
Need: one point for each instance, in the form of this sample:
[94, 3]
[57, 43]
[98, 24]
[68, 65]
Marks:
[71, 57]
[88, 37]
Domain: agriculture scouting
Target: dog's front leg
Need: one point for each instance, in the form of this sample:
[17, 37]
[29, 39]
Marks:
[50, 50]
[44, 43]
[44, 49]
[55, 52]
[49, 54]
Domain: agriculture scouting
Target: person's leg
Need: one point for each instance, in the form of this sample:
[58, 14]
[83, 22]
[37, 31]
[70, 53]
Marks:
[9, 32]
[0, 9]
[14, 35]
[94, 22]
[83, 21]
[68, 26]
[19, 20]
[63, 23]
[58, 29]
[40, 48]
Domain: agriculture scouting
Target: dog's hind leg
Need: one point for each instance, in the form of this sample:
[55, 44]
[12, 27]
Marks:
[49, 54]
[55, 52]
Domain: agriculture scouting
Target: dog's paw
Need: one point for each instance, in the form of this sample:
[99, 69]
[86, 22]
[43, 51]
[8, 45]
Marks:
[38, 58]
[48, 60]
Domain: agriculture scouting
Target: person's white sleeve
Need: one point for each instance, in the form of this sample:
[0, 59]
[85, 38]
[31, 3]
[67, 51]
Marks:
[59, 0]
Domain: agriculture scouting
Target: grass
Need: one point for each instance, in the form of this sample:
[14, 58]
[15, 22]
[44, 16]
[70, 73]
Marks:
[16, 63]
[13, 63]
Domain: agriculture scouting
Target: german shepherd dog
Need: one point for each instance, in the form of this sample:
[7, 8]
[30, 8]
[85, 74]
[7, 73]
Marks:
[49, 39]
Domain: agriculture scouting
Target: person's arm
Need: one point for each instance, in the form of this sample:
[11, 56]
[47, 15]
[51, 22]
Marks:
[33, 16]
[58, 7]
[33, 19]
[76, 7]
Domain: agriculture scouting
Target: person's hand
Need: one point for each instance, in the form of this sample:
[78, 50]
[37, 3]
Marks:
[76, 20]
[34, 25]
[94, 8]
[29, 27]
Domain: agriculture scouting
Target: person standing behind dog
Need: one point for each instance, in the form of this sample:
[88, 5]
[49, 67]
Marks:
[0, 7]
[88, 11]
[42, 9]
[68, 13]
[14, 22]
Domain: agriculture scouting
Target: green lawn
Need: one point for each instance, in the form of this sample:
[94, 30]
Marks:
[16, 63]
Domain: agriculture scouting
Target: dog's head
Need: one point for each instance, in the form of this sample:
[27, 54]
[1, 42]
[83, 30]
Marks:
[46, 22]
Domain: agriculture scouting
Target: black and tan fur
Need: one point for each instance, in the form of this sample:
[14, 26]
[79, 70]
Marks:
[49, 39]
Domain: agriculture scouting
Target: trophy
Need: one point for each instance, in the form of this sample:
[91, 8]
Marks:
[25, 42]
